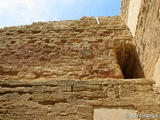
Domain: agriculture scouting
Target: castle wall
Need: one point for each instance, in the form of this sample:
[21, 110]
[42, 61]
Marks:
[59, 70]
[146, 39]
[75, 49]
[156, 75]
[148, 35]
[74, 99]
[125, 10]
[129, 12]
[134, 7]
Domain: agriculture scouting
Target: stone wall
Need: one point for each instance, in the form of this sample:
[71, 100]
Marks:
[134, 8]
[129, 13]
[74, 99]
[74, 49]
[148, 35]
[58, 70]
[146, 40]
[125, 10]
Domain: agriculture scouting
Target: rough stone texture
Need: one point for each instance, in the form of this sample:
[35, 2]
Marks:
[58, 70]
[129, 13]
[78, 49]
[74, 99]
[125, 10]
[148, 35]
[146, 40]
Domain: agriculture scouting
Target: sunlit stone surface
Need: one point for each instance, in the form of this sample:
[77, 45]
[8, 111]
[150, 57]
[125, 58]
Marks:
[114, 114]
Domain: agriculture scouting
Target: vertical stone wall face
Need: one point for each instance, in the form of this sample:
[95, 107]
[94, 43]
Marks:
[148, 36]
[60, 70]
[129, 13]
[75, 49]
[125, 10]
[146, 40]
[156, 75]
[133, 12]
[74, 99]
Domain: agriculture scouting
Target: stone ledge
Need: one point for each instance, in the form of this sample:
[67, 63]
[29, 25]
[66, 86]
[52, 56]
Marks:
[14, 83]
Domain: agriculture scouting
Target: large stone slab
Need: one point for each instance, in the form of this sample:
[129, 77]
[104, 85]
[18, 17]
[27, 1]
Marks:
[114, 114]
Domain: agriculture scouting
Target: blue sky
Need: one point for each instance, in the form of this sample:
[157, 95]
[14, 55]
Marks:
[21, 12]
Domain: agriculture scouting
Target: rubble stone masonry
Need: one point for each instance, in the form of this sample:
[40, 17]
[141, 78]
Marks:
[76, 49]
[74, 99]
[66, 70]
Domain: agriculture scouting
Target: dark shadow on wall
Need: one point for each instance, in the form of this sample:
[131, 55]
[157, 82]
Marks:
[130, 65]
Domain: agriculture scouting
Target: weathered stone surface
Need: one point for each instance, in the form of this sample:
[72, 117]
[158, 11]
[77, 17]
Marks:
[114, 114]
[147, 36]
[125, 10]
[78, 49]
[134, 8]
[146, 41]
[62, 70]
[50, 99]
